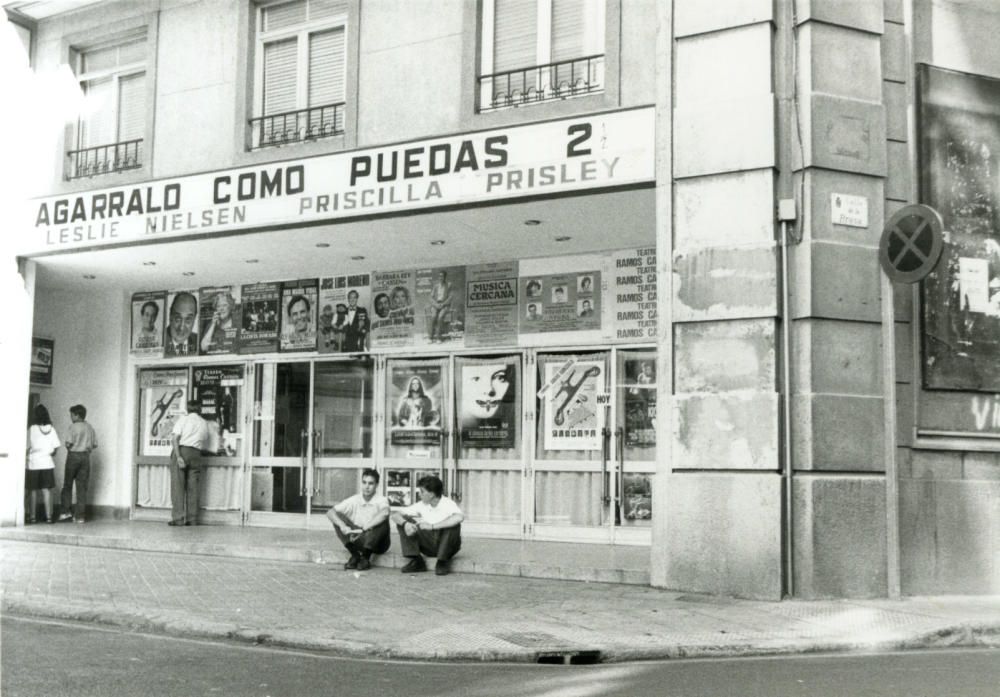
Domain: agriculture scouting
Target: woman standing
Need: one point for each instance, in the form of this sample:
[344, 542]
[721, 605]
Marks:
[43, 441]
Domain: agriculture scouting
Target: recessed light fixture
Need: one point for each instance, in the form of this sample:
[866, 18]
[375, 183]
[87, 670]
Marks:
[532, 221]
[252, 261]
[358, 257]
[188, 273]
[322, 245]
[89, 276]
[149, 263]
[564, 238]
[437, 243]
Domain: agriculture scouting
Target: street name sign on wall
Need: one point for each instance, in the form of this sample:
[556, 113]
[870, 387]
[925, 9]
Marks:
[911, 243]
[587, 152]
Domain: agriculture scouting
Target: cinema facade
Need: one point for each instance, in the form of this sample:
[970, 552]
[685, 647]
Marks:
[536, 248]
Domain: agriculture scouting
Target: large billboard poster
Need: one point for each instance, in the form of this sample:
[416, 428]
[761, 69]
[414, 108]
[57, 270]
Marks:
[415, 404]
[259, 327]
[439, 299]
[573, 418]
[487, 403]
[182, 324]
[491, 305]
[630, 310]
[344, 319]
[392, 300]
[220, 323]
[298, 315]
[217, 388]
[148, 315]
[163, 402]
[562, 302]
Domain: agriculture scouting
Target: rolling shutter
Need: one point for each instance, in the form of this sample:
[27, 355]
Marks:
[515, 35]
[97, 127]
[326, 67]
[279, 76]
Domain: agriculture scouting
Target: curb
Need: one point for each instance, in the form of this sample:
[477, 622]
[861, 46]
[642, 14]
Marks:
[964, 635]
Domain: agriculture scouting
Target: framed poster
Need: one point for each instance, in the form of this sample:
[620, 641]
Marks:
[41, 360]
[415, 401]
[148, 313]
[573, 418]
[182, 324]
[259, 323]
[488, 399]
[298, 315]
[220, 319]
[344, 320]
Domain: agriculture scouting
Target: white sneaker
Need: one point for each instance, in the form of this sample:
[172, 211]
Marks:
[65, 516]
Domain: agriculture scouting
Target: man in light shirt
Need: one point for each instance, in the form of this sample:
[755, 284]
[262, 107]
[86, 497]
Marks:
[188, 439]
[362, 522]
[432, 526]
[82, 440]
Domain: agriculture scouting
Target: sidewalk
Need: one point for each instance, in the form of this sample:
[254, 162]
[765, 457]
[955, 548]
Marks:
[464, 617]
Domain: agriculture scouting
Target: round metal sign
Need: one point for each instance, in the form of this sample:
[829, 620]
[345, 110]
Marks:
[911, 243]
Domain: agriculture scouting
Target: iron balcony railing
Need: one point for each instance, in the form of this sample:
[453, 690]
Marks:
[542, 83]
[297, 126]
[105, 159]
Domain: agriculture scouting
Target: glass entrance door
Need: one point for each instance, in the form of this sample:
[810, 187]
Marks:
[312, 434]
[635, 447]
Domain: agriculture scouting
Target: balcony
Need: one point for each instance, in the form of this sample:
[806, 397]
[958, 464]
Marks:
[105, 159]
[541, 83]
[300, 126]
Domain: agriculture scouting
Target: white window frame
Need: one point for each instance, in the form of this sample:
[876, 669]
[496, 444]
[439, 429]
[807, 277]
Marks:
[117, 73]
[301, 33]
[593, 39]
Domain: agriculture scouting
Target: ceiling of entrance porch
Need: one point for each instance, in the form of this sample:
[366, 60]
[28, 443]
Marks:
[474, 235]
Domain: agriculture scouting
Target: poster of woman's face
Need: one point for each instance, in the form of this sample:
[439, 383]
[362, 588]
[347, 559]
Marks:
[487, 407]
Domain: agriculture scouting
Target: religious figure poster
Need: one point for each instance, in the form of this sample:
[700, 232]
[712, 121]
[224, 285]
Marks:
[573, 418]
[259, 321]
[182, 324]
[415, 403]
[488, 403]
[163, 402]
[491, 305]
[392, 300]
[220, 311]
[640, 402]
[344, 319]
[218, 390]
[440, 306]
[298, 315]
[148, 314]
[561, 302]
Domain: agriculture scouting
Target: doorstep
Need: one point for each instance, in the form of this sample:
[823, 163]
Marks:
[552, 560]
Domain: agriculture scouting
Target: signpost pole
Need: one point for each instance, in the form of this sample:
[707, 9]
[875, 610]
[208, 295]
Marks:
[889, 438]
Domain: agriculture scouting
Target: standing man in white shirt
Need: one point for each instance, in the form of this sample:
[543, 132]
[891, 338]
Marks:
[362, 522]
[188, 439]
[432, 526]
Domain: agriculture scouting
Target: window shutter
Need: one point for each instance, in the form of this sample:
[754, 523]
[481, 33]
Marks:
[324, 9]
[326, 67]
[97, 127]
[285, 15]
[279, 76]
[132, 107]
[515, 31]
[568, 17]
[99, 59]
[134, 52]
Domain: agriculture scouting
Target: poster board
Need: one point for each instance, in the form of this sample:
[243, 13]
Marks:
[344, 314]
[259, 322]
[148, 318]
[220, 319]
[42, 354]
[163, 396]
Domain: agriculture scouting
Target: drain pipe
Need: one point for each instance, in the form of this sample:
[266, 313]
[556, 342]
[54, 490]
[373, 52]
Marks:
[786, 214]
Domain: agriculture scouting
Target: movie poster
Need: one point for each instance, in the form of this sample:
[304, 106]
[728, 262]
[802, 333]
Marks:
[439, 306]
[148, 317]
[415, 402]
[631, 307]
[220, 319]
[259, 321]
[398, 487]
[298, 314]
[640, 402]
[182, 324]
[491, 305]
[563, 302]
[573, 419]
[637, 496]
[42, 351]
[164, 401]
[218, 390]
[344, 320]
[488, 403]
[392, 300]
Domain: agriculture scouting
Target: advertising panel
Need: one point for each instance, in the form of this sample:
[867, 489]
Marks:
[563, 302]
[491, 305]
[573, 418]
[182, 324]
[42, 351]
[487, 403]
[640, 402]
[220, 319]
[415, 403]
[298, 314]
[631, 305]
[392, 299]
[148, 315]
[344, 320]
[218, 390]
[163, 402]
[440, 306]
[259, 328]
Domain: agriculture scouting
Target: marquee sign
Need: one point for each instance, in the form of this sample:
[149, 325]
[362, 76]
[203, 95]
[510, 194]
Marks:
[586, 152]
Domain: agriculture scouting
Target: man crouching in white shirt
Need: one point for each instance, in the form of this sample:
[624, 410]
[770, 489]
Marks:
[432, 526]
[362, 522]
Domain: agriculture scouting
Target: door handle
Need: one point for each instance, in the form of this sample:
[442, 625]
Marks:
[304, 435]
[605, 484]
[620, 448]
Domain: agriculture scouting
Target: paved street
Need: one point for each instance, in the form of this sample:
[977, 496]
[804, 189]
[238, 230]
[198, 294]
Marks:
[46, 659]
[383, 613]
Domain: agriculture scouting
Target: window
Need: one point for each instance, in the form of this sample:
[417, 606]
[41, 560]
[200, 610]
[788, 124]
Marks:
[109, 136]
[540, 50]
[300, 72]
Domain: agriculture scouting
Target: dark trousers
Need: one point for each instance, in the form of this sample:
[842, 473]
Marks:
[185, 486]
[77, 470]
[443, 544]
[374, 541]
